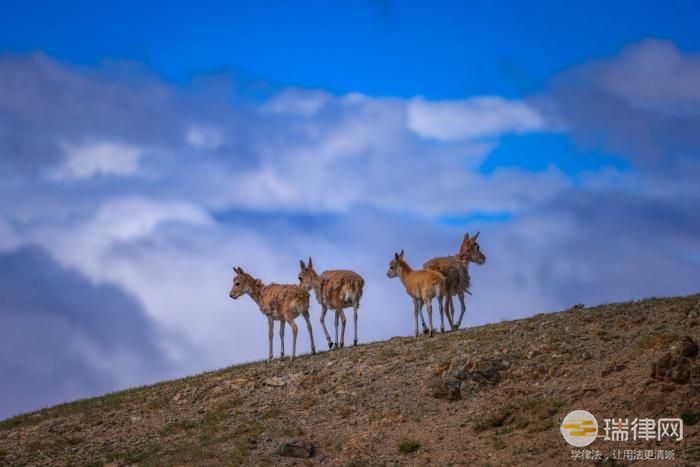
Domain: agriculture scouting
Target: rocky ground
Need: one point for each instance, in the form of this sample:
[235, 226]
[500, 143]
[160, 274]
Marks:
[491, 395]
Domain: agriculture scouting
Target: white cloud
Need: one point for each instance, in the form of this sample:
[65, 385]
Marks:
[642, 104]
[653, 75]
[346, 179]
[473, 118]
[365, 156]
[89, 160]
[9, 240]
[205, 137]
[296, 101]
[132, 218]
[117, 222]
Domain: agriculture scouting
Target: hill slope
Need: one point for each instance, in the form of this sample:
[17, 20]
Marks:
[494, 394]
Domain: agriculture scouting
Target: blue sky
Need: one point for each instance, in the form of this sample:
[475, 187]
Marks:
[145, 149]
[440, 50]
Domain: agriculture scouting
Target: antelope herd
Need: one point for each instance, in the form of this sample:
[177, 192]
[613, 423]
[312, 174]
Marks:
[441, 278]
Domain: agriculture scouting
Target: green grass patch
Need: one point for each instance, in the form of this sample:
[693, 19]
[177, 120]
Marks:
[110, 401]
[690, 417]
[655, 341]
[409, 446]
[497, 442]
[178, 426]
[358, 463]
[147, 454]
[429, 345]
[388, 353]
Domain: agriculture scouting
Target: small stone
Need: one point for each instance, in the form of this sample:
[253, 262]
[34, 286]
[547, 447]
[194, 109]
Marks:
[694, 313]
[586, 355]
[613, 367]
[672, 368]
[298, 447]
[467, 388]
[444, 388]
[276, 381]
[694, 387]
[688, 347]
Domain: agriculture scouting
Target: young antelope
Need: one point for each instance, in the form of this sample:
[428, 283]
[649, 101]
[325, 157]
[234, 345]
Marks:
[335, 290]
[422, 285]
[277, 302]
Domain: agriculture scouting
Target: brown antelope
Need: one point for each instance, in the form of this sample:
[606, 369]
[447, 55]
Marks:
[456, 271]
[422, 285]
[335, 290]
[469, 252]
[277, 302]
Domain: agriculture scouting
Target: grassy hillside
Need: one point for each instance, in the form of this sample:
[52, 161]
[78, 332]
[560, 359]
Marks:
[494, 394]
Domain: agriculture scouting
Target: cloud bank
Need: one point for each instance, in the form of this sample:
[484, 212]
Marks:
[142, 196]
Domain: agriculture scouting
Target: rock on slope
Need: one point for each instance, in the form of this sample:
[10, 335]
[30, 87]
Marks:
[495, 395]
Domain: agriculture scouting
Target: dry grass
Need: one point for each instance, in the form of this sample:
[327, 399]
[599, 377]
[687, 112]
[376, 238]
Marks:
[530, 415]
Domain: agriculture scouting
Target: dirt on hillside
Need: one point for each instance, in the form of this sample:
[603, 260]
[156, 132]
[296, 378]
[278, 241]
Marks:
[490, 395]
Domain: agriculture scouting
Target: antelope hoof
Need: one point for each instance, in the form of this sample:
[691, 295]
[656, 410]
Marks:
[354, 343]
[282, 357]
[342, 344]
[425, 330]
[313, 351]
[330, 344]
[431, 334]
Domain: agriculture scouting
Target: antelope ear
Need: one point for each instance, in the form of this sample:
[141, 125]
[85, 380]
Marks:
[301, 263]
[465, 242]
[396, 255]
[475, 237]
[401, 254]
[310, 264]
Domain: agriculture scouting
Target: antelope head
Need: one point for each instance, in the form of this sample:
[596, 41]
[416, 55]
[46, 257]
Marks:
[395, 265]
[469, 251]
[307, 276]
[242, 283]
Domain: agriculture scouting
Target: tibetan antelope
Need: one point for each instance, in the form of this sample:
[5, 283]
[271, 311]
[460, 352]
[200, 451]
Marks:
[335, 290]
[277, 302]
[456, 271]
[422, 285]
[469, 252]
